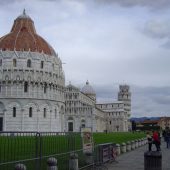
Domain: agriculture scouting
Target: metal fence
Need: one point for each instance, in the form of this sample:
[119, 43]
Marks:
[34, 148]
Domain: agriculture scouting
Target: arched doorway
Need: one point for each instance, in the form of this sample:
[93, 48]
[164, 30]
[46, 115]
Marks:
[1, 123]
[70, 124]
[83, 123]
[2, 108]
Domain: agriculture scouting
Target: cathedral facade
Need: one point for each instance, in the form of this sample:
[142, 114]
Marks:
[33, 94]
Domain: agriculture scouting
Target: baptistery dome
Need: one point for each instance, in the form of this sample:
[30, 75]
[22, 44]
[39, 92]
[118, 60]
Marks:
[32, 81]
[23, 37]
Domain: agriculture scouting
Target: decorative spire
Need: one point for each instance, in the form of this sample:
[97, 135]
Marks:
[24, 13]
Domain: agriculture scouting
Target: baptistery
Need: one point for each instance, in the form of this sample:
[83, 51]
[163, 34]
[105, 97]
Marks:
[32, 81]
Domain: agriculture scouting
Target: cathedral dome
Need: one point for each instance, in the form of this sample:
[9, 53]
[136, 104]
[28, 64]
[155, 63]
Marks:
[23, 37]
[88, 89]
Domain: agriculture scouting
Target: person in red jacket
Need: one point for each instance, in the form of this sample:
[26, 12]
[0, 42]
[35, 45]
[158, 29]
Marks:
[156, 140]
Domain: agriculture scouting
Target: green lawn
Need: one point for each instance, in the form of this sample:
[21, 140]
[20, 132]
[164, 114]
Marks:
[117, 137]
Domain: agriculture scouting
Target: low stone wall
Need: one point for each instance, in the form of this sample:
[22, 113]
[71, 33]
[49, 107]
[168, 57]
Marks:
[130, 145]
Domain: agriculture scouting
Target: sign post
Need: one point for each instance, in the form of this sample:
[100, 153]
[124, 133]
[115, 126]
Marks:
[87, 139]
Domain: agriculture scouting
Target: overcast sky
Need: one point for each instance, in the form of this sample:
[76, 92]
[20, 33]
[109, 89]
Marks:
[108, 42]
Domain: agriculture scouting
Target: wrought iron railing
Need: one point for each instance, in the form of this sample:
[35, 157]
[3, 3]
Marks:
[34, 148]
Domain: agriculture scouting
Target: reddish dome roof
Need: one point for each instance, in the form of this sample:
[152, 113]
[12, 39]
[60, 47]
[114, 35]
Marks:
[23, 37]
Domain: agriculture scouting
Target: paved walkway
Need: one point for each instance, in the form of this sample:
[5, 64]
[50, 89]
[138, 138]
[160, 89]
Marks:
[134, 160]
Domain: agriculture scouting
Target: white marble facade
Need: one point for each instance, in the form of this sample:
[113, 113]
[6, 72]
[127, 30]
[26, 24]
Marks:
[82, 110]
[31, 96]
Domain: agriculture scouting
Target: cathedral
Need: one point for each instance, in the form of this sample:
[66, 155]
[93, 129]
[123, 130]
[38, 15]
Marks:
[33, 94]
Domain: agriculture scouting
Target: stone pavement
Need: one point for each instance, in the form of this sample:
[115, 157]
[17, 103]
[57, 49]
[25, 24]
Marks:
[134, 160]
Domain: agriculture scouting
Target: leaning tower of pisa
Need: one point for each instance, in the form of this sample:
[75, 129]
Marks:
[124, 95]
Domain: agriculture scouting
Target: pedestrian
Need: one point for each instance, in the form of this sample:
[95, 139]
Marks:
[167, 139]
[164, 135]
[156, 140]
[149, 138]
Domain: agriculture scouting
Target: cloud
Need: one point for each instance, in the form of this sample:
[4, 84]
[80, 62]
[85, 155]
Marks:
[158, 29]
[150, 101]
[156, 4]
[7, 2]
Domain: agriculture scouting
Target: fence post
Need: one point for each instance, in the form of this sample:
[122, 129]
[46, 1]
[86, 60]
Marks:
[73, 162]
[123, 148]
[118, 149]
[128, 146]
[89, 158]
[38, 147]
[133, 144]
[52, 164]
[20, 167]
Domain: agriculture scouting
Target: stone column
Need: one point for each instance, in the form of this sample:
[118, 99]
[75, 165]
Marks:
[118, 149]
[128, 146]
[140, 142]
[20, 167]
[93, 120]
[50, 120]
[73, 161]
[6, 88]
[123, 148]
[17, 88]
[4, 121]
[29, 88]
[38, 119]
[136, 142]
[52, 164]
[133, 145]
[22, 119]
[89, 158]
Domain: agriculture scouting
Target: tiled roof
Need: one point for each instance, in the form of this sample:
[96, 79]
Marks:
[23, 37]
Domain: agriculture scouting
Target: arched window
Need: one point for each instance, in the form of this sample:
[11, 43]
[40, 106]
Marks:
[0, 62]
[29, 63]
[55, 113]
[30, 112]
[45, 113]
[42, 64]
[83, 123]
[14, 111]
[26, 87]
[14, 62]
[45, 88]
